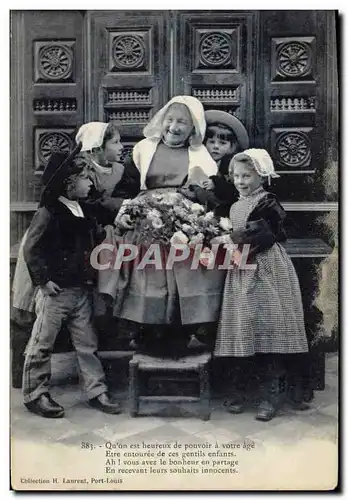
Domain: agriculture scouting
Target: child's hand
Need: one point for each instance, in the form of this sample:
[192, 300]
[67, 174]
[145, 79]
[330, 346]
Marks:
[237, 258]
[208, 184]
[51, 289]
[224, 239]
[126, 222]
[191, 195]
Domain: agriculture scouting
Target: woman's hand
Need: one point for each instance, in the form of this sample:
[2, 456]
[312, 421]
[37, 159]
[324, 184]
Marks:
[126, 222]
[50, 289]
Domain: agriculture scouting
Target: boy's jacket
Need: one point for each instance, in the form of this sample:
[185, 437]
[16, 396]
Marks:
[58, 246]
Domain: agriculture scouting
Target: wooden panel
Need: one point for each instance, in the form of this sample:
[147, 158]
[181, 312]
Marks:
[291, 109]
[128, 77]
[214, 60]
[46, 97]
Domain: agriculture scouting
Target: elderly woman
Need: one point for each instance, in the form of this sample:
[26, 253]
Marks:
[171, 304]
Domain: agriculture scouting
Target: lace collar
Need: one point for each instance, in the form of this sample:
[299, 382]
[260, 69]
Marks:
[253, 194]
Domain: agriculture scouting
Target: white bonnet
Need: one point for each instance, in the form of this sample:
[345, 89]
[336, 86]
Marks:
[195, 107]
[261, 161]
[91, 135]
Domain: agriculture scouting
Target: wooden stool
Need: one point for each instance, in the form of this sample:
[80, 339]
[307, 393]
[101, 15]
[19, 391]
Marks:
[198, 365]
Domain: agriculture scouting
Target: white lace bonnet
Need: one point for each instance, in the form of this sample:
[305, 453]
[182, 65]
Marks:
[261, 161]
[91, 135]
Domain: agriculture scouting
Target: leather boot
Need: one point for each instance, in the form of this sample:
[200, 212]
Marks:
[265, 412]
[103, 403]
[46, 407]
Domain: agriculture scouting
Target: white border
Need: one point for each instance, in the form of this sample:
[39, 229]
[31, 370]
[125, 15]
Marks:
[4, 123]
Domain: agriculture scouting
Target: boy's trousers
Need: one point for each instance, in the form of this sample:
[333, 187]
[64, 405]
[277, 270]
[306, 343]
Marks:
[73, 307]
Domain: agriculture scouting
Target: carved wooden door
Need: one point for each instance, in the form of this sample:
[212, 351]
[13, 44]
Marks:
[138, 61]
[128, 68]
[46, 100]
[276, 74]
[215, 60]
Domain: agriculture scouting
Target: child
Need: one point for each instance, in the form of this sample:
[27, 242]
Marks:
[112, 182]
[57, 248]
[225, 136]
[262, 308]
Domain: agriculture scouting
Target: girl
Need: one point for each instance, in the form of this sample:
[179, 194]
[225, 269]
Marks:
[163, 300]
[112, 181]
[262, 307]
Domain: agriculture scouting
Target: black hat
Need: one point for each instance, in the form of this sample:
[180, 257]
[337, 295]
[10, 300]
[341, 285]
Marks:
[58, 168]
[218, 117]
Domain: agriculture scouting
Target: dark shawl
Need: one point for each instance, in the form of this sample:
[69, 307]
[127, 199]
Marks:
[264, 227]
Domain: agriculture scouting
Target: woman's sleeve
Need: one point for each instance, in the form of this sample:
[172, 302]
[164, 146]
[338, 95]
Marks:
[264, 227]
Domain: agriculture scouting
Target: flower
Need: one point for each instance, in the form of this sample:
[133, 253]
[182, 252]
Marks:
[157, 196]
[224, 239]
[187, 229]
[170, 198]
[170, 218]
[157, 223]
[225, 223]
[197, 208]
[153, 214]
[196, 239]
[209, 216]
[178, 238]
[180, 212]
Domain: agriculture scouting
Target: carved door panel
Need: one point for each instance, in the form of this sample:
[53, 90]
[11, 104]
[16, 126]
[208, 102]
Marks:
[46, 100]
[292, 111]
[128, 74]
[215, 60]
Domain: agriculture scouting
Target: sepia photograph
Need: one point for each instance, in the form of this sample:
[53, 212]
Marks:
[174, 250]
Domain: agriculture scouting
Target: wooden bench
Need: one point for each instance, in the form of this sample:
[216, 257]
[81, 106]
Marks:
[307, 248]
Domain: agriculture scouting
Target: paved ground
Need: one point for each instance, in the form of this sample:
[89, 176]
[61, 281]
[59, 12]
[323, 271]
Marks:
[85, 424]
[81, 420]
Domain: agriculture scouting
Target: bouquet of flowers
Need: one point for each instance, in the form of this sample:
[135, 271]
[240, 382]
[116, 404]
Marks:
[171, 219]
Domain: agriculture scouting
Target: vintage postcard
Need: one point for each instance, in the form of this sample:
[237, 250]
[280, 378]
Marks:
[174, 250]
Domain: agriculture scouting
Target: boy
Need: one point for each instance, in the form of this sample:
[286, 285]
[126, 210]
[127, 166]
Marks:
[59, 241]
[225, 136]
